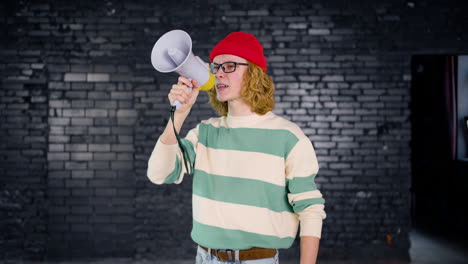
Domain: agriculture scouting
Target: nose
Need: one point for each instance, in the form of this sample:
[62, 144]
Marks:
[219, 74]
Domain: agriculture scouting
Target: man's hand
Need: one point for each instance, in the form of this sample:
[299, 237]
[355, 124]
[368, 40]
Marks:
[181, 92]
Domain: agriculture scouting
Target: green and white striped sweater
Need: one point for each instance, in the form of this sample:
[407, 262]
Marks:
[253, 181]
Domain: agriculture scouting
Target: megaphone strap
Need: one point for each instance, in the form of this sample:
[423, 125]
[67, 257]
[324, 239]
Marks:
[185, 155]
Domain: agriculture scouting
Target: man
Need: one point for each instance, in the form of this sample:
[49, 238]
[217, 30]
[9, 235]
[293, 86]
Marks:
[253, 182]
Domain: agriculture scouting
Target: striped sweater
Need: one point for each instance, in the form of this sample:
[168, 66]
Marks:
[253, 182]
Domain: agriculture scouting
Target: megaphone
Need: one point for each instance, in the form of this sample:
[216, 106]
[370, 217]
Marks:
[173, 52]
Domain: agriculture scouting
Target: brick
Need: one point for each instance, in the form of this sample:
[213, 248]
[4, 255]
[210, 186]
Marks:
[328, 65]
[276, 59]
[58, 156]
[74, 77]
[75, 219]
[56, 130]
[99, 147]
[76, 147]
[297, 25]
[127, 113]
[56, 147]
[338, 85]
[122, 165]
[82, 174]
[352, 145]
[342, 112]
[98, 95]
[362, 85]
[58, 210]
[82, 192]
[75, 183]
[125, 103]
[82, 104]
[104, 156]
[59, 174]
[98, 165]
[75, 94]
[59, 104]
[58, 139]
[261, 12]
[81, 156]
[342, 139]
[105, 192]
[309, 98]
[107, 104]
[121, 95]
[122, 219]
[81, 68]
[365, 125]
[99, 130]
[98, 77]
[314, 31]
[352, 132]
[333, 78]
[73, 112]
[339, 166]
[75, 130]
[77, 121]
[363, 98]
[366, 112]
[81, 86]
[303, 105]
[122, 147]
[96, 113]
[330, 118]
[320, 145]
[309, 78]
[308, 85]
[390, 98]
[328, 131]
[125, 139]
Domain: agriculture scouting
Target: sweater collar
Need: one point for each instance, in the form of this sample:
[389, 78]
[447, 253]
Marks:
[245, 121]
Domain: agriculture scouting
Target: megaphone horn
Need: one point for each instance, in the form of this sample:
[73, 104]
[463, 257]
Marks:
[173, 52]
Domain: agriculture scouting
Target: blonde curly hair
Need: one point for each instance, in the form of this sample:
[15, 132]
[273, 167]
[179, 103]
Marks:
[257, 91]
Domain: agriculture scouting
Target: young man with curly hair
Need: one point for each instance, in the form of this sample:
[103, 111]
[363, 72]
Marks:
[253, 183]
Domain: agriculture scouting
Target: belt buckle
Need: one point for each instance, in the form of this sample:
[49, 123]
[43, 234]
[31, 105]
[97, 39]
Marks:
[228, 252]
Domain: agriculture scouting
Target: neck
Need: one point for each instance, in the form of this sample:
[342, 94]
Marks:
[239, 108]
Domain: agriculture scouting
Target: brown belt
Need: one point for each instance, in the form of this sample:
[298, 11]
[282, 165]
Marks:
[248, 254]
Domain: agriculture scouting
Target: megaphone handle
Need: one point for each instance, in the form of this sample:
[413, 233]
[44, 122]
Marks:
[178, 104]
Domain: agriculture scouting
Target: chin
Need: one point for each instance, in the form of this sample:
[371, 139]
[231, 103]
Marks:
[221, 99]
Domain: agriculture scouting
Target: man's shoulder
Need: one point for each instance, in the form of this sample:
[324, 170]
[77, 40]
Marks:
[214, 121]
[282, 123]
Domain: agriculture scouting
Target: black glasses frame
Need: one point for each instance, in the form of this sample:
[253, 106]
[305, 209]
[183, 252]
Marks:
[214, 67]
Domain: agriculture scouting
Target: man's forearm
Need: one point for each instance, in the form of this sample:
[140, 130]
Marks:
[309, 249]
[168, 137]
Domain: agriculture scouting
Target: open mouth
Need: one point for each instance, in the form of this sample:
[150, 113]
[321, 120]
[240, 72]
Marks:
[221, 87]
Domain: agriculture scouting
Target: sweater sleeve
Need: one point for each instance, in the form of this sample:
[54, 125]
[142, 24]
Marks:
[303, 195]
[166, 164]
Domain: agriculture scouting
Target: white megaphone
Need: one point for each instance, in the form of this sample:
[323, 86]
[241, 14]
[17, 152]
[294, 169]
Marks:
[173, 52]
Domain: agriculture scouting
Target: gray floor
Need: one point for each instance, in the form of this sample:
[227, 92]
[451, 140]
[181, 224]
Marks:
[431, 249]
[425, 249]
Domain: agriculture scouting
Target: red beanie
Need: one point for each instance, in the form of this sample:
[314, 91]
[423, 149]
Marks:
[241, 44]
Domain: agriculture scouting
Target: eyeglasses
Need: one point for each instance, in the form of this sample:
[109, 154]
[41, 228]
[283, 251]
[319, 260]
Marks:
[227, 67]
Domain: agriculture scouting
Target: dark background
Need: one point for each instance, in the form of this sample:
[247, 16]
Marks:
[81, 109]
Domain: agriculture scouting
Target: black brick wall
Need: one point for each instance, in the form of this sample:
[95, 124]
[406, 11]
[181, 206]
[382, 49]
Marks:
[81, 109]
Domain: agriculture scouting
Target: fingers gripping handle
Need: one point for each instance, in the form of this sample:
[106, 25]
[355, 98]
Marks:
[178, 104]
